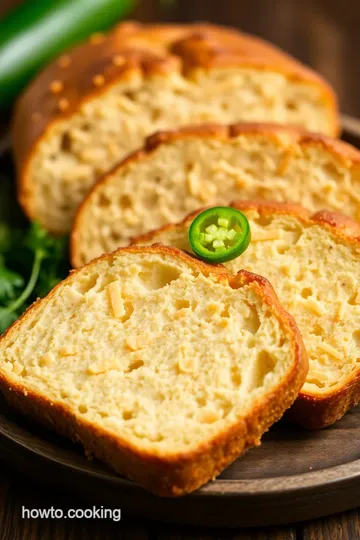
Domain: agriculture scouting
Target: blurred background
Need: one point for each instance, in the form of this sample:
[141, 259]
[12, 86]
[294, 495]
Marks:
[322, 33]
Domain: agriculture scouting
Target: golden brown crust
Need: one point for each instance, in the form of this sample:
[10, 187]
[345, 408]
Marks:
[338, 221]
[313, 412]
[148, 49]
[263, 207]
[342, 225]
[177, 474]
[310, 410]
[342, 150]
[141, 50]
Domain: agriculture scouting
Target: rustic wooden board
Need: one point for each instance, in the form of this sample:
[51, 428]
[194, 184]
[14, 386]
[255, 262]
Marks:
[294, 475]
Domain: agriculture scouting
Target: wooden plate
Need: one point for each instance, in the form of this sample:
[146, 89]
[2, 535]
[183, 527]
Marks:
[294, 475]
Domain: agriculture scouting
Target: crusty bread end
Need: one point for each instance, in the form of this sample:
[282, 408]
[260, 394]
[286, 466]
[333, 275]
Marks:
[91, 107]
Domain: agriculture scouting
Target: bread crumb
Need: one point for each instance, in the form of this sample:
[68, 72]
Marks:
[116, 300]
[136, 342]
[187, 364]
[56, 87]
[208, 192]
[67, 350]
[63, 104]
[223, 323]
[284, 162]
[325, 347]
[341, 311]
[99, 80]
[18, 368]
[98, 367]
[180, 313]
[118, 60]
[213, 308]
[134, 269]
[228, 170]
[192, 180]
[286, 270]
[209, 416]
[46, 359]
[264, 236]
[130, 217]
[140, 431]
[314, 305]
[93, 155]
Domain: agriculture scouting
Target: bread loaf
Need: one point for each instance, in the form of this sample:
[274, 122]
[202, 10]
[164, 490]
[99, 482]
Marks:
[177, 172]
[313, 262]
[94, 105]
[163, 367]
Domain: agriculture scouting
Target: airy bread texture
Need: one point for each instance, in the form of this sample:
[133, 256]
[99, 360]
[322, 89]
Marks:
[90, 108]
[313, 262]
[177, 172]
[165, 368]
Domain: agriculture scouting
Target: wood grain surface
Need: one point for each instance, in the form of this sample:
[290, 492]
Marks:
[324, 34]
[17, 491]
[295, 474]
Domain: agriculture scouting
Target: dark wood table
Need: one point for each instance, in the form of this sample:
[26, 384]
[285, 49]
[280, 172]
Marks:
[17, 491]
[326, 35]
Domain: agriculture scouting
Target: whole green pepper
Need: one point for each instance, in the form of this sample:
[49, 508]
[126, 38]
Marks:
[39, 30]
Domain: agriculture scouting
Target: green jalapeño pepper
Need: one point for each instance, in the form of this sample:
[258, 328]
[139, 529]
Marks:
[219, 234]
[39, 30]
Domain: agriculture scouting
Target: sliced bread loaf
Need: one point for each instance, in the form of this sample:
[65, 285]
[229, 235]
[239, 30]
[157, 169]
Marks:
[177, 172]
[93, 106]
[163, 367]
[313, 262]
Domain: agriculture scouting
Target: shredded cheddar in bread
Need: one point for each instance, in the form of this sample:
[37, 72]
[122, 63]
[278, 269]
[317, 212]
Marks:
[178, 172]
[167, 402]
[120, 87]
[313, 262]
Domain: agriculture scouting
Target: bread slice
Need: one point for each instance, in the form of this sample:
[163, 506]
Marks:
[163, 367]
[313, 262]
[177, 172]
[93, 106]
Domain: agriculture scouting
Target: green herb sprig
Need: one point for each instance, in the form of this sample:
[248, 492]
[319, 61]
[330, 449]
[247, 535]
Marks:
[31, 263]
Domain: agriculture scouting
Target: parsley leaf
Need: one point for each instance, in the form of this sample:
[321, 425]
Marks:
[39, 258]
[37, 239]
[6, 319]
[5, 237]
[9, 282]
[32, 262]
[54, 254]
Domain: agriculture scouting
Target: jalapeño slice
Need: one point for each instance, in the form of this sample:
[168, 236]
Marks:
[219, 234]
